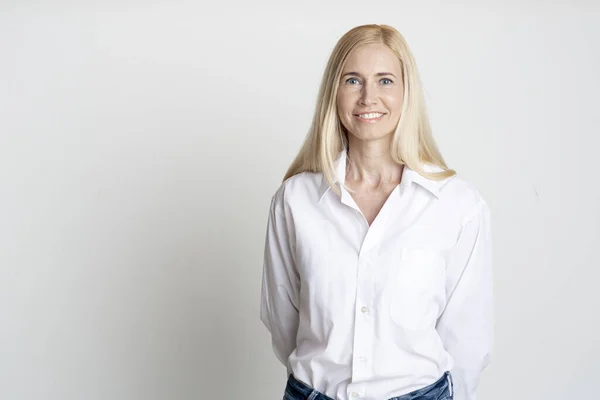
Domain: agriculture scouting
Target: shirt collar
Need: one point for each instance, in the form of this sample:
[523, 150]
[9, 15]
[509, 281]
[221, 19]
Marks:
[408, 176]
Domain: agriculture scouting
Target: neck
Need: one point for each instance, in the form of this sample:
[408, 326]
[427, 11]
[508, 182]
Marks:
[369, 163]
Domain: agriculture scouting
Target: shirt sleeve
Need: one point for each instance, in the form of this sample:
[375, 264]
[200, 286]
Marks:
[280, 284]
[466, 326]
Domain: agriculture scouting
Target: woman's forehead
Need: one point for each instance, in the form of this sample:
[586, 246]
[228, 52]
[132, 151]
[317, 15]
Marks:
[372, 58]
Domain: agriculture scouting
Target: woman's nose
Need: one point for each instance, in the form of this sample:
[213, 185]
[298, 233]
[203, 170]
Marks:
[368, 95]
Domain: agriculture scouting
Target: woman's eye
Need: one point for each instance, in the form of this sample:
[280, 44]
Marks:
[386, 79]
[351, 79]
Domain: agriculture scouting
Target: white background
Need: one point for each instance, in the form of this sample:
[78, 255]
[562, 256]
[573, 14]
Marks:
[141, 141]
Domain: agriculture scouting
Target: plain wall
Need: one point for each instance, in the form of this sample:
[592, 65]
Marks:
[141, 141]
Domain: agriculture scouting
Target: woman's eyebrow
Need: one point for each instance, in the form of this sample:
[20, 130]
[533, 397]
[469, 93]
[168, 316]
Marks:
[377, 74]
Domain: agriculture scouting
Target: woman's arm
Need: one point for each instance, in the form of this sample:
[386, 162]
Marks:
[466, 326]
[280, 283]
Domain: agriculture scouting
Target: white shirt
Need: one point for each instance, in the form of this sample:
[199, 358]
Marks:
[371, 313]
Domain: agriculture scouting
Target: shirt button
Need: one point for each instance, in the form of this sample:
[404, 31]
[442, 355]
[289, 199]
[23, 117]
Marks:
[361, 358]
[364, 309]
[354, 394]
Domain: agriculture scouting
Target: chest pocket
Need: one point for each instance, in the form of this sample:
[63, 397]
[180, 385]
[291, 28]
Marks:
[417, 288]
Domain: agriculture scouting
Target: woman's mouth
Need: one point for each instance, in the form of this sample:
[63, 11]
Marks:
[370, 117]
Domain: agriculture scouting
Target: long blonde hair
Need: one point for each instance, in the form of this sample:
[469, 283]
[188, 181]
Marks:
[412, 142]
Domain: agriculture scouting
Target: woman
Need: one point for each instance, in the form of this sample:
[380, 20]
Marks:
[377, 276]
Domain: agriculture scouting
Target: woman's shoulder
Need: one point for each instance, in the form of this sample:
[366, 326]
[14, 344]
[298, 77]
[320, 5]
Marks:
[301, 187]
[463, 194]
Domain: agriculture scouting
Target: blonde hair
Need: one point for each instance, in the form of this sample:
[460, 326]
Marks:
[412, 142]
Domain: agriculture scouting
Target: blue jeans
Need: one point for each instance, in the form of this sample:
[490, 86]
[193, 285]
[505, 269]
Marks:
[439, 390]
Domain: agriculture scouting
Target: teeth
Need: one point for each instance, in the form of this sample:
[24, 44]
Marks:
[370, 116]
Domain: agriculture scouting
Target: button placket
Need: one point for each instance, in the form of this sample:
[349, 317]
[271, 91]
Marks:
[364, 329]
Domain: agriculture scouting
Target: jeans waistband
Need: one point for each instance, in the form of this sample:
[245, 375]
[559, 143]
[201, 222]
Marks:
[305, 392]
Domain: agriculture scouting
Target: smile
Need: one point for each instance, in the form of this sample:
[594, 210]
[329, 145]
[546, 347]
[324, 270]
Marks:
[370, 118]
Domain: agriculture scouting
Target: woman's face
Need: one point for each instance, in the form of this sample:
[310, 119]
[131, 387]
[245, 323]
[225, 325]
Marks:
[371, 82]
